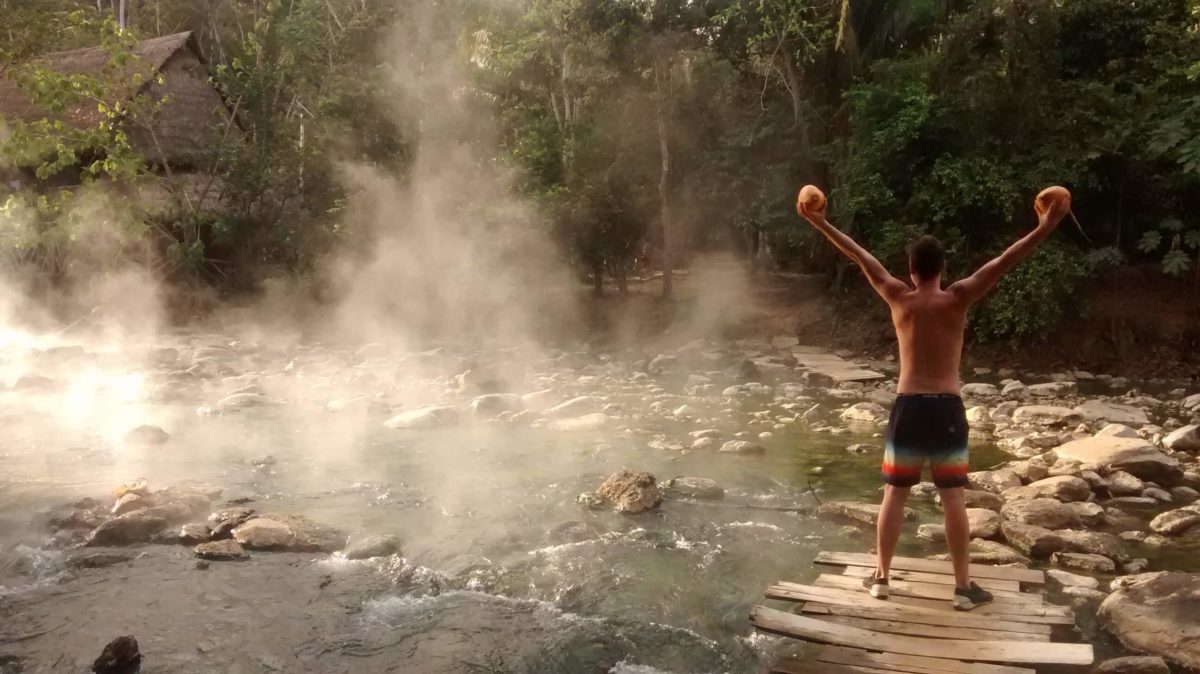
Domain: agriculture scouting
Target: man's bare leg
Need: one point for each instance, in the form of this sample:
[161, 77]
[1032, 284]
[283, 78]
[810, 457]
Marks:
[958, 534]
[887, 531]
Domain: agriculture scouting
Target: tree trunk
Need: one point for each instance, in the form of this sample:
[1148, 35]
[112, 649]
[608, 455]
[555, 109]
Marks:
[792, 73]
[598, 278]
[662, 85]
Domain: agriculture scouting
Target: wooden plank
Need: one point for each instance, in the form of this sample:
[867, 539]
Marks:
[828, 595]
[905, 588]
[931, 631]
[1034, 631]
[1018, 652]
[911, 663]
[935, 578]
[978, 571]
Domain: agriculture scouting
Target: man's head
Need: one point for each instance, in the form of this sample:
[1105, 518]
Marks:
[926, 258]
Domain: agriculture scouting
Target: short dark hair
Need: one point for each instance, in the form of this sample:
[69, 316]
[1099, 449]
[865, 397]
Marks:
[926, 257]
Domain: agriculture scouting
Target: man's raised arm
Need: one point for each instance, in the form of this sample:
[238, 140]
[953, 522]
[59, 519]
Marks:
[885, 284]
[974, 287]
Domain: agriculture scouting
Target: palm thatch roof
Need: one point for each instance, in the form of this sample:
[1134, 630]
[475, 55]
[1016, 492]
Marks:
[183, 132]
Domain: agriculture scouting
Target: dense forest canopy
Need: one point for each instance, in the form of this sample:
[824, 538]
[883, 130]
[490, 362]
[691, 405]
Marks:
[642, 131]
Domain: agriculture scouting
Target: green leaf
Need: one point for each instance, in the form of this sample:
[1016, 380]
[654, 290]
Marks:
[1171, 225]
[1149, 241]
[1192, 239]
[1176, 262]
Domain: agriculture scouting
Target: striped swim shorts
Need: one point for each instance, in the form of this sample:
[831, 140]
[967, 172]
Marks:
[926, 427]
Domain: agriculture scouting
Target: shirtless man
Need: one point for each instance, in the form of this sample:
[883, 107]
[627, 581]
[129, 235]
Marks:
[928, 421]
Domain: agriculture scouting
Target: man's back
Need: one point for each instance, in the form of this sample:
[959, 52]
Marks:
[929, 325]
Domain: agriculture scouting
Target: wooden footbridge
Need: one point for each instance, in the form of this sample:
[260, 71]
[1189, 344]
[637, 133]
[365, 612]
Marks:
[917, 630]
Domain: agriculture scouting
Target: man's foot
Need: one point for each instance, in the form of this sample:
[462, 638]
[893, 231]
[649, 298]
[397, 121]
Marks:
[965, 600]
[876, 587]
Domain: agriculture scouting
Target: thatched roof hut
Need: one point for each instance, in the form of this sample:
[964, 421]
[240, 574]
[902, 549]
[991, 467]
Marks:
[187, 128]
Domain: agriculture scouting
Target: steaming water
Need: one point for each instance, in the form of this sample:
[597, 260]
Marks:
[502, 571]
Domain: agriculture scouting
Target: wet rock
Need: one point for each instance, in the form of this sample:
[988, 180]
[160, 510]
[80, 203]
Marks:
[1045, 415]
[1132, 503]
[980, 390]
[1068, 579]
[1184, 495]
[742, 447]
[592, 500]
[1054, 389]
[225, 521]
[373, 546]
[694, 487]
[130, 502]
[587, 422]
[863, 448]
[661, 363]
[1135, 456]
[703, 443]
[1096, 410]
[140, 487]
[129, 529]
[491, 404]
[1091, 514]
[239, 401]
[539, 400]
[192, 534]
[227, 550]
[1183, 439]
[576, 407]
[287, 533]
[983, 523]
[995, 481]
[1042, 512]
[97, 559]
[864, 413]
[1177, 522]
[1062, 487]
[932, 532]
[147, 435]
[1121, 483]
[1160, 495]
[1015, 389]
[1037, 542]
[1158, 614]
[630, 492]
[862, 513]
[1082, 561]
[1093, 543]
[120, 656]
[979, 419]
[1136, 664]
[1138, 565]
[1118, 430]
[425, 418]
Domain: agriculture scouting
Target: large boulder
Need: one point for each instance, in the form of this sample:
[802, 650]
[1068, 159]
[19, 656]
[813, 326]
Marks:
[437, 416]
[1037, 542]
[1093, 543]
[1184, 439]
[373, 546]
[984, 523]
[1113, 413]
[287, 533]
[128, 529]
[1041, 512]
[694, 487]
[856, 511]
[1136, 456]
[1177, 522]
[630, 492]
[1045, 415]
[995, 481]
[1158, 614]
[1061, 487]
[991, 552]
[1121, 483]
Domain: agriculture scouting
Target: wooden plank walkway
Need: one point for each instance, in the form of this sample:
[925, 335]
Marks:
[917, 630]
[832, 365]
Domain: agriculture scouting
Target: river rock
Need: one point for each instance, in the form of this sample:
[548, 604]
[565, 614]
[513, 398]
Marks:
[1045, 415]
[856, 511]
[129, 529]
[980, 390]
[239, 401]
[1160, 495]
[865, 412]
[1093, 543]
[742, 447]
[630, 492]
[146, 435]
[120, 656]
[373, 546]
[1096, 410]
[1068, 579]
[1177, 522]
[193, 534]
[1135, 664]
[1135, 456]
[97, 559]
[932, 532]
[1062, 487]
[576, 407]
[1054, 389]
[587, 422]
[1158, 614]
[1184, 495]
[1091, 514]
[1037, 542]
[703, 443]
[1121, 483]
[225, 521]
[491, 404]
[995, 481]
[1042, 512]
[1030, 470]
[694, 487]
[984, 523]
[438, 416]
[976, 498]
[227, 550]
[287, 533]
[539, 400]
[1118, 430]
[991, 552]
[1082, 561]
[1183, 439]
